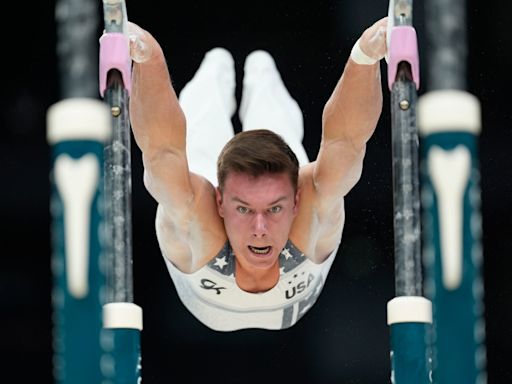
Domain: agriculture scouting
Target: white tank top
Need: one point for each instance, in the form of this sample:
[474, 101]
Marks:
[213, 297]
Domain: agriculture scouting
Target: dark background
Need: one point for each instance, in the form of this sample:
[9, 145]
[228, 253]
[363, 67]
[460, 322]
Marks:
[344, 338]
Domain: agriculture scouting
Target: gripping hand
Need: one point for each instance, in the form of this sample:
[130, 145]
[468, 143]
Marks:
[140, 49]
[371, 47]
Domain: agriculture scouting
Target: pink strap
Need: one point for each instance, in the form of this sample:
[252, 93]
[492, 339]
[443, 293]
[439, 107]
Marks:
[115, 54]
[403, 46]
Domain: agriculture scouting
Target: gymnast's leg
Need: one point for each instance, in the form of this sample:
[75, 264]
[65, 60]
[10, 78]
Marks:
[208, 102]
[266, 103]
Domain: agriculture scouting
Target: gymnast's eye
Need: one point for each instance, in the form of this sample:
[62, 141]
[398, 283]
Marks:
[275, 209]
[243, 210]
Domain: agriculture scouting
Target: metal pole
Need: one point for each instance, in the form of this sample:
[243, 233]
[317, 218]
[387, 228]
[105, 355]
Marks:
[409, 313]
[445, 22]
[122, 319]
[77, 42]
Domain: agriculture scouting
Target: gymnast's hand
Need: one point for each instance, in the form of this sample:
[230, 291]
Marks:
[371, 46]
[140, 47]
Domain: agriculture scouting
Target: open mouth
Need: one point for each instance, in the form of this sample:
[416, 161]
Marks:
[260, 250]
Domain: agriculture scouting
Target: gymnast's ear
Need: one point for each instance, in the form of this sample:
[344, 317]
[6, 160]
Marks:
[218, 199]
[296, 201]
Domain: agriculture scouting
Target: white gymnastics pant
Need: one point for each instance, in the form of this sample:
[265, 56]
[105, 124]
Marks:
[208, 102]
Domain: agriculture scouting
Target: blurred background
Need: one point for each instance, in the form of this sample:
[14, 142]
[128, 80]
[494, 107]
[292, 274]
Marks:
[344, 338]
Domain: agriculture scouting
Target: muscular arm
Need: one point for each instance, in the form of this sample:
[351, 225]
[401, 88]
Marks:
[159, 129]
[187, 224]
[349, 120]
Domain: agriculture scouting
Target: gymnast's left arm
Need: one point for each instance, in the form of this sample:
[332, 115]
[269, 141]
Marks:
[351, 114]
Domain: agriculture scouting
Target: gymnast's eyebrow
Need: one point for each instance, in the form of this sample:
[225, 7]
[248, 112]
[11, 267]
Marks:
[278, 200]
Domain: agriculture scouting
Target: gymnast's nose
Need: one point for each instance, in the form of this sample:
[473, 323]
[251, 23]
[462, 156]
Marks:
[259, 225]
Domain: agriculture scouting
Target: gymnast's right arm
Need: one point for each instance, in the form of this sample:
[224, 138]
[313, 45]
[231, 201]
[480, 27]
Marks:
[159, 128]
[158, 123]
[188, 227]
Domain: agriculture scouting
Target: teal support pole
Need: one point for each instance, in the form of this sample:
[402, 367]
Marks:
[410, 321]
[450, 123]
[76, 130]
[122, 324]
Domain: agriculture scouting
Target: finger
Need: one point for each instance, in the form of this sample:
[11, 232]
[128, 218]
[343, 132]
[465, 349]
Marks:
[140, 50]
[377, 42]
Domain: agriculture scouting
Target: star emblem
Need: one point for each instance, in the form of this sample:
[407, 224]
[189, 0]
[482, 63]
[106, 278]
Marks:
[220, 262]
[286, 253]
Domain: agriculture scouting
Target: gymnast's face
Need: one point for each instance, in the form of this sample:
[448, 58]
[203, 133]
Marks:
[258, 213]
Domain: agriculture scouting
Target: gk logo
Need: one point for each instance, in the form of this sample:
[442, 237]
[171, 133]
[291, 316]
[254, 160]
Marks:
[208, 284]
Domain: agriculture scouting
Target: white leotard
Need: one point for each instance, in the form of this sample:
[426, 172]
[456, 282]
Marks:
[213, 297]
[211, 294]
